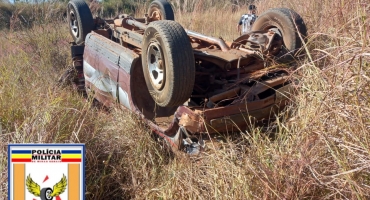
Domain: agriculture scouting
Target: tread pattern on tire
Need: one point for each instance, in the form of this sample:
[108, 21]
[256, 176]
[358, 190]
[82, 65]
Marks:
[166, 7]
[180, 58]
[85, 19]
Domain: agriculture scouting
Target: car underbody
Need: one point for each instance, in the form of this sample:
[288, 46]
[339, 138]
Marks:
[232, 84]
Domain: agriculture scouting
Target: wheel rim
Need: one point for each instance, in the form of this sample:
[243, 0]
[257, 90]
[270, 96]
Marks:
[276, 30]
[156, 66]
[73, 23]
[155, 14]
[48, 193]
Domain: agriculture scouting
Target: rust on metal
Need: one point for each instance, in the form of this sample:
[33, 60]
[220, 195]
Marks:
[220, 42]
[233, 84]
[135, 23]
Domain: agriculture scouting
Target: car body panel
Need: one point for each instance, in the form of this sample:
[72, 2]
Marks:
[115, 74]
[107, 67]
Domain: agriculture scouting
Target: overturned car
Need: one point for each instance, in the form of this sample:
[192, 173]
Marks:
[180, 82]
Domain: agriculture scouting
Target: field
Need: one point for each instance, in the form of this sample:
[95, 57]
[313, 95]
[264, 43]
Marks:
[318, 149]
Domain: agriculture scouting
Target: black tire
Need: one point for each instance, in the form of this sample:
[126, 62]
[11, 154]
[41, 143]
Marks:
[164, 8]
[168, 63]
[80, 20]
[289, 25]
[45, 194]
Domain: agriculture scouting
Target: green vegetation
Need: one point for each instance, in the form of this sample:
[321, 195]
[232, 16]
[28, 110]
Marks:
[321, 151]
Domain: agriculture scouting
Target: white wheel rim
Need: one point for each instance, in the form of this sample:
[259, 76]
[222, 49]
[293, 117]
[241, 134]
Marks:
[73, 23]
[156, 66]
[48, 193]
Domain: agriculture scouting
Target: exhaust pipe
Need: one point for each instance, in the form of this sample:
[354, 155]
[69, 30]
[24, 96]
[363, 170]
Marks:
[137, 24]
[220, 42]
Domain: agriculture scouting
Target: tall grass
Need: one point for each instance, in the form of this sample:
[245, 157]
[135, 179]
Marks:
[320, 150]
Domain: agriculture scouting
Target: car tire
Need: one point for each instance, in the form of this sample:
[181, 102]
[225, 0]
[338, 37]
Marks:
[45, 194]
[289, 25]
[168, 63]
[80, 20]
[164, 9]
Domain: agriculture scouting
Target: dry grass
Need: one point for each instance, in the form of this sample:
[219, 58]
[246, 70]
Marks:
[320, 152]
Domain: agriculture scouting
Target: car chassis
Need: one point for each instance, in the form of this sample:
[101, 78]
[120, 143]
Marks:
[233, 85]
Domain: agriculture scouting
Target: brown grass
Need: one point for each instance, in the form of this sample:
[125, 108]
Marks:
[321, 151]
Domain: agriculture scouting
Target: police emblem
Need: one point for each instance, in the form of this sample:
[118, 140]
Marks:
[46, 171]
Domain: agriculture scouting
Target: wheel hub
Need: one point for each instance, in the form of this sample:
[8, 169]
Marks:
[156, 66]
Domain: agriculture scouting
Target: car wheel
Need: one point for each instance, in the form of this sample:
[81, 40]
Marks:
[160, 10]
[289, 25]
[45, 194]
[80, 20]
[168, 63]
